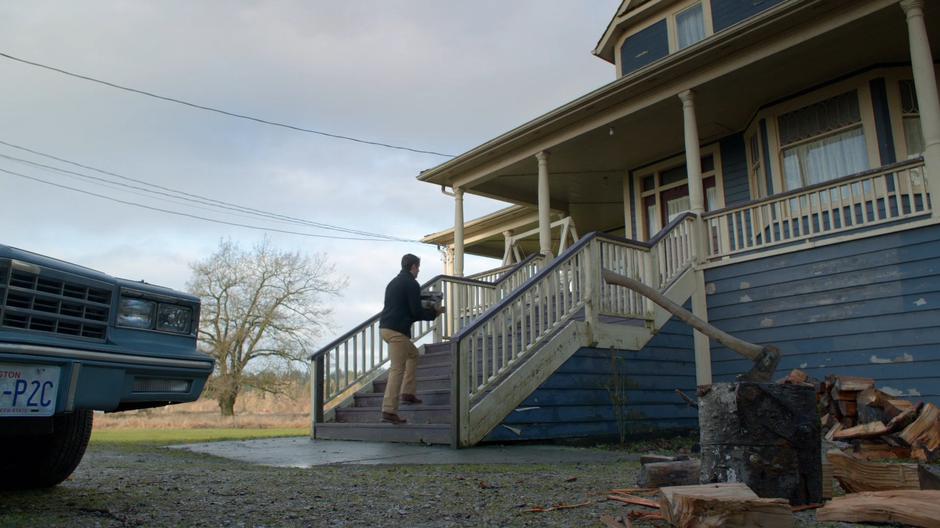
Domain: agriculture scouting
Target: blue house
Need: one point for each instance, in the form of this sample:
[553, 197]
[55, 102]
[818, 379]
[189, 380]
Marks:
[768, 164]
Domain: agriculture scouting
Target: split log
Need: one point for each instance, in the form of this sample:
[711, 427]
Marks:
[870, 403]
[902, 420]
[856, 475]
[853, 383]
[872, 397]
[928, 476]
[877, 451]
[726, 505]
[764, 435]
[868, 430]
[676, 473]
[838, 395]
[832, 432]
[925, 430]
[910, 507]
[896, 407]
[848, 408]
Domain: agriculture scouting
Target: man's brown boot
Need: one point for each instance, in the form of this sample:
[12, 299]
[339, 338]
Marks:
[392, 418]
[410, 398]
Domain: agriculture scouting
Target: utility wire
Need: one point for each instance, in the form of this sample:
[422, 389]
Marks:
[191, 197]
[146, 193]
[178, 213]
[220, 111]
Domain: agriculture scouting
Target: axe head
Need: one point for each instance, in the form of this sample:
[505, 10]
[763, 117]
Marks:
[764, 366]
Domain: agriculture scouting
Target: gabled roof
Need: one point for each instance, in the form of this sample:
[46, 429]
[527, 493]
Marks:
[616, 27]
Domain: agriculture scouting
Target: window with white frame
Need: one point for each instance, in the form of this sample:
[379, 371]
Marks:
[823, 141]
[664, 193]
[910, 119]
[690, 26]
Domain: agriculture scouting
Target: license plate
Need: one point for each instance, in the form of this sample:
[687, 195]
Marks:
[28, 390]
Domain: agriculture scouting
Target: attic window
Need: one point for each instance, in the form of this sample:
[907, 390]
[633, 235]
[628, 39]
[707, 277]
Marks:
[690, 26]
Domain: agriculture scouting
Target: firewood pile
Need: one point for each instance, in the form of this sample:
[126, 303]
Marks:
[869, 425]
[873, 424]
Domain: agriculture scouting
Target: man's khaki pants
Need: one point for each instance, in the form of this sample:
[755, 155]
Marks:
[403, 355]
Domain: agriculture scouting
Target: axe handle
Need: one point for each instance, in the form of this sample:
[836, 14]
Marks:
[748, 350]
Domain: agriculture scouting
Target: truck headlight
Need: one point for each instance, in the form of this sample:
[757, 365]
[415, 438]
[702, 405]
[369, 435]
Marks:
[136, 313]
[174, 318]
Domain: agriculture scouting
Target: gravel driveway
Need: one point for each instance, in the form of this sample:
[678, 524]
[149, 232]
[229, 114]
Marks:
[153, 486]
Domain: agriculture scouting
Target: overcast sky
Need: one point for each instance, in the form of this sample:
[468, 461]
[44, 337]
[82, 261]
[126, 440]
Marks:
[436, 75]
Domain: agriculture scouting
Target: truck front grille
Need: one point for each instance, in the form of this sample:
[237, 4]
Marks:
[52, 303]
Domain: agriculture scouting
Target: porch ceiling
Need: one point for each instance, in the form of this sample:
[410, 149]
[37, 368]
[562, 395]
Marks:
[587, 168]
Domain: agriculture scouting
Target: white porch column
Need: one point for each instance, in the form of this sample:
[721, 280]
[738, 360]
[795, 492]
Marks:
[693, 164]
[449, 260]
[507, 248]
[693, 155]
[458, 232]
[925, 84]
[545, 222]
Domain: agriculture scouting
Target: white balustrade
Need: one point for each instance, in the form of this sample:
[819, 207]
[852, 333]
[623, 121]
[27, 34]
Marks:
[876, 197]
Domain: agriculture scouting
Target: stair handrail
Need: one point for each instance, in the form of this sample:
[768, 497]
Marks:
[347, 363]
[559, 291]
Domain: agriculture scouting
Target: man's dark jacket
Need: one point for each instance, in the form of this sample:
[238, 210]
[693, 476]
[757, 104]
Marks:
[403, 304]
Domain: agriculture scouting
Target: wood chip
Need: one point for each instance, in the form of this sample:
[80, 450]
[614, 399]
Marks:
[634, 500]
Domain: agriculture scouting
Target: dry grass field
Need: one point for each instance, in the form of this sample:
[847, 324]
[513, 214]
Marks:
[253, 410]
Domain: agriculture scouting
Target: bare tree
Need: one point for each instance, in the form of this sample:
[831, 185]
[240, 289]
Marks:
[259, 303]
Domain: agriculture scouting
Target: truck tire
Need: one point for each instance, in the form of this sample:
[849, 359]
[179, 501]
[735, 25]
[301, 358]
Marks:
[46, 460]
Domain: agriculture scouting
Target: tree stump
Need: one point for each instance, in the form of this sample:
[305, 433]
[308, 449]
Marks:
[763, 435]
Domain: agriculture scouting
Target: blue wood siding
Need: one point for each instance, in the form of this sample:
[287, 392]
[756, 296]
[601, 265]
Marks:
[868, 307]
[726, 13]
[575, 402]
[879, 102]
[734, 170]
[650, 44]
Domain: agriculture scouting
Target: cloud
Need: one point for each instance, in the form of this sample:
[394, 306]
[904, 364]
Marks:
[422, 73]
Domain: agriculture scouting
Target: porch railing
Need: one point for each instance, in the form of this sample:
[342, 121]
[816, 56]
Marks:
[880, 196]
[356, 358]
[569, 287]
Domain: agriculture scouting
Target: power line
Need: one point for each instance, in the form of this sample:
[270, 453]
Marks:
[187, 215]
[187, 196]
[220, 111]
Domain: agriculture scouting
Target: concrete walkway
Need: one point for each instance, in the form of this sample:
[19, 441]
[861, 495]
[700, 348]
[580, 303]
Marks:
[304, 452]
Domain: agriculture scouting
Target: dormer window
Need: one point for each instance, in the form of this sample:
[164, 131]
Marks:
[690, 26]
[675, 28]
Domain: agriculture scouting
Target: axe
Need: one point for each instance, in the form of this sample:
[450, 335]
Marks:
[765, 357]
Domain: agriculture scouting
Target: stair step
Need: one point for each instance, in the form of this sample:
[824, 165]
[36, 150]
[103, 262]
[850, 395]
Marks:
[436, 358]
[386, 432]
[423, 384]
[415, 414]
[431, 397]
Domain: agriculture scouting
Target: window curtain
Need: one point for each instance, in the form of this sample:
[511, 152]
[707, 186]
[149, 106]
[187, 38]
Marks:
[826, 159]
[914, 137]
[690, 26]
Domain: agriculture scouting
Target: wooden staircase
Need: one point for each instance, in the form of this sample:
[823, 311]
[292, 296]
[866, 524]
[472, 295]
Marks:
[499, 342]
[428, 422]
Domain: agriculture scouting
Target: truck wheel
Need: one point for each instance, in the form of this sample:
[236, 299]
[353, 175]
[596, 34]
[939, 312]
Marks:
[46, 460]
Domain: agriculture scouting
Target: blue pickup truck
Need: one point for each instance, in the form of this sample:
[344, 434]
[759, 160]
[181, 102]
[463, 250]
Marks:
[74, 340]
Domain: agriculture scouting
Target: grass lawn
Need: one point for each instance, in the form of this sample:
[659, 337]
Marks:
[189, 436]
